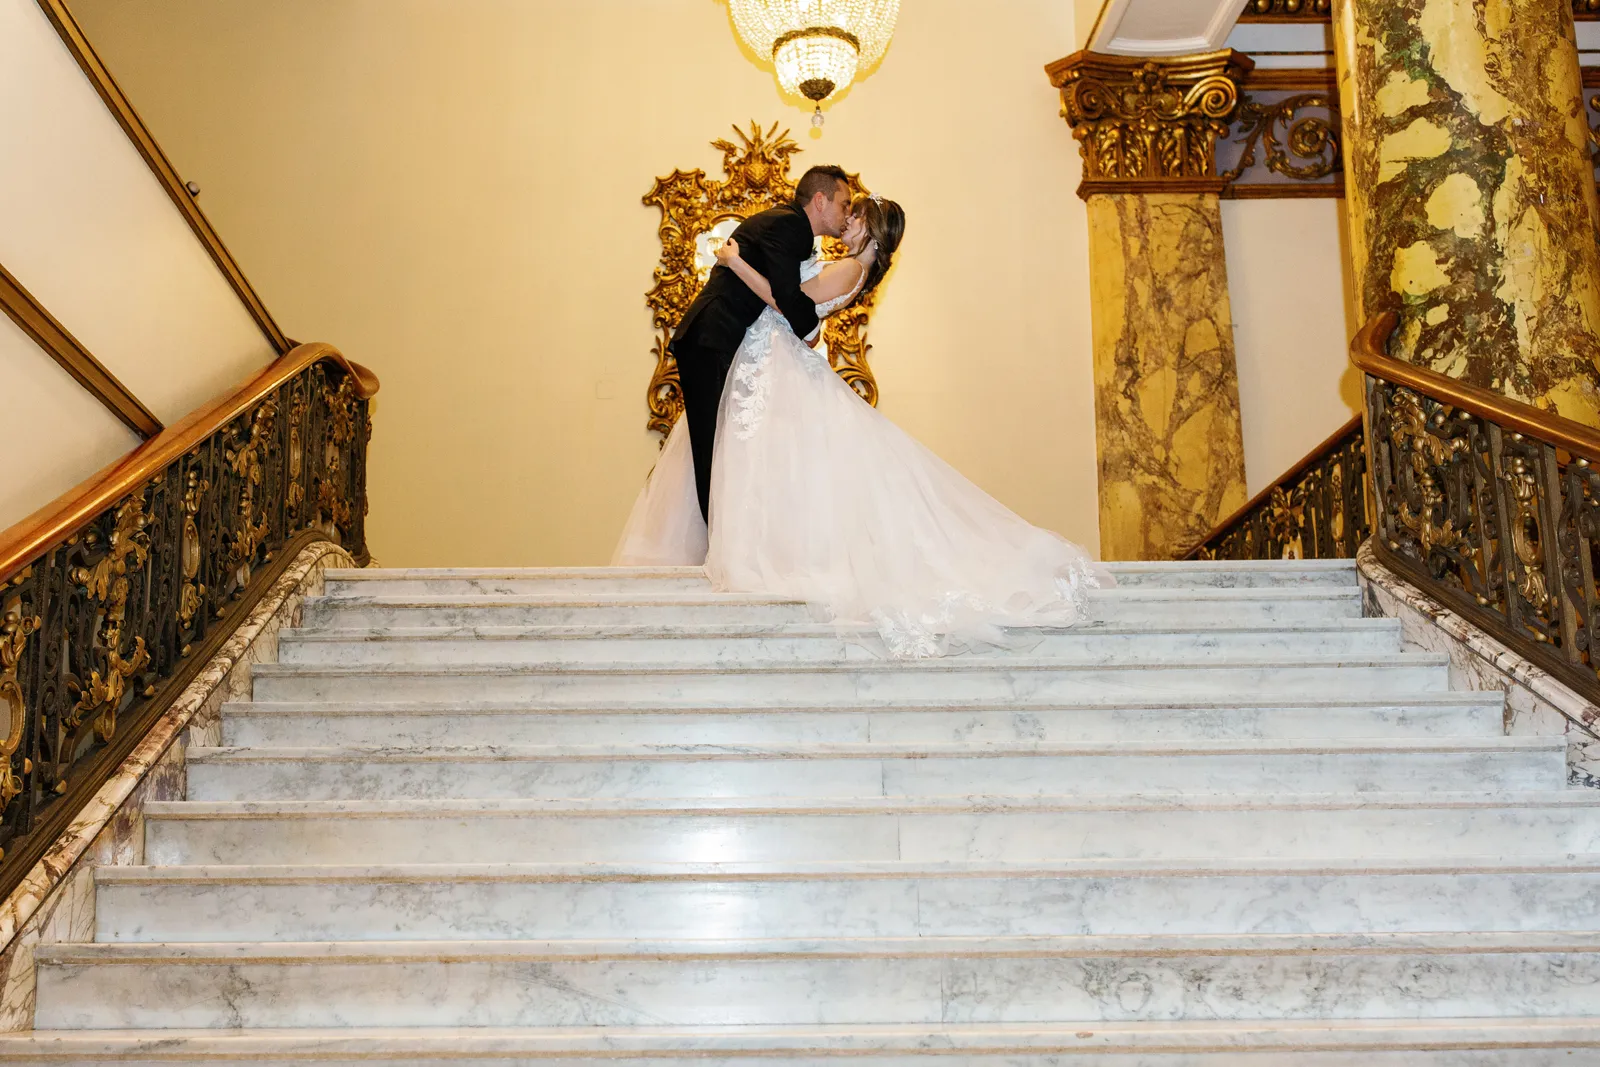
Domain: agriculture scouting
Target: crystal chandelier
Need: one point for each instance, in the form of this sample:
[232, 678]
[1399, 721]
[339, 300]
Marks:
[817, 46]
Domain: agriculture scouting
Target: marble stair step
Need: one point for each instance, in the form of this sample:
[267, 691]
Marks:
[811, 643]
[1419, 715]
[909, 981]
[510, 581]
[919, 681]
[471, 902]
[1280, 827]
[354, 772]
[1135, 605]
[1498, 1042]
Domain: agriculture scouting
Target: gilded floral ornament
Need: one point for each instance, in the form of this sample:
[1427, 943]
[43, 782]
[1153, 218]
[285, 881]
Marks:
[16, 626]
[108, 582]
[696, 215]
[1148, 123]
[103, 627]
[247, 462]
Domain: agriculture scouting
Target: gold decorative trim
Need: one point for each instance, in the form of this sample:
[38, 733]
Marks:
[1148, 186]
[16, 626]
[73, 358]
[1153, 121]
[108, 583]
[756, 177]
[77, 43]
[836, 32]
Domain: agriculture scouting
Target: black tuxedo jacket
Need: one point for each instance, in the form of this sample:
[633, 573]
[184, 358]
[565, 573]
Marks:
[775, 243]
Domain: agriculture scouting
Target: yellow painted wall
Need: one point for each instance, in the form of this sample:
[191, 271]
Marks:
[89, 231]
[1288, 276]
[450, 193]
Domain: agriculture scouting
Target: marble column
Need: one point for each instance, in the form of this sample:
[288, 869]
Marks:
[1472, 192]
[1167, 431]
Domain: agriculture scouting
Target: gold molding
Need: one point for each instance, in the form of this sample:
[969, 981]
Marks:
[76, 360]
[1149, 125]
[94, 69]
[756, 177]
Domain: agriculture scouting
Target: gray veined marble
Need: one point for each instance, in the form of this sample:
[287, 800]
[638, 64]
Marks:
[293, 725]
[1007, 831]
[445, 902]
[558, 816]
[850, 981]
[722, 644]
[832, 683]
[354, 773]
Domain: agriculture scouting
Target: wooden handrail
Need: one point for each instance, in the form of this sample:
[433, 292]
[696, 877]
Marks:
[67, 514]
[1300, 467]
[1367, 354]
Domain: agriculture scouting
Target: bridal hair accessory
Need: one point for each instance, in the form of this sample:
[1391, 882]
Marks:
[877, 198]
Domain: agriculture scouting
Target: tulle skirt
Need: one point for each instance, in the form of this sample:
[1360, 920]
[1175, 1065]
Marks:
[816, 496]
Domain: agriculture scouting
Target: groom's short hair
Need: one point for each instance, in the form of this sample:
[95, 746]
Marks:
[822, 179]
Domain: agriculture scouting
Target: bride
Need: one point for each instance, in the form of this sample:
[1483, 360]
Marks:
[817, 496]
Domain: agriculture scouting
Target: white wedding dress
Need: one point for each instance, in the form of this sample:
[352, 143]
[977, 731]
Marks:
[817, 496]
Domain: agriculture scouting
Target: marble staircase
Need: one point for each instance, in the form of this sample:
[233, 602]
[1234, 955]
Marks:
[585, 816]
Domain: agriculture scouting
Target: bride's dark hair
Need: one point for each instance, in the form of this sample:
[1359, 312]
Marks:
[886, 224]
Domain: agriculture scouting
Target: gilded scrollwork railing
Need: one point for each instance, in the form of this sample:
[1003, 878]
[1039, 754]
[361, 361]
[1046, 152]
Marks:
[113, 597]
[1489, 505]
[1318, 509]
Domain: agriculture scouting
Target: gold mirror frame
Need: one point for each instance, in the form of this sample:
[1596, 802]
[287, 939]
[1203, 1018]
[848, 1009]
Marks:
[756, 178]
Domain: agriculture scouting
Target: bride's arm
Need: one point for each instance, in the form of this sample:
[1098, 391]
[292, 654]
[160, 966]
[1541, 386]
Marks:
[837, 277]
[728, 256]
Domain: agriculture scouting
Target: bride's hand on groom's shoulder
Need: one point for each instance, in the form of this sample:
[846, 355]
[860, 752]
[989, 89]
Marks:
[729, 249]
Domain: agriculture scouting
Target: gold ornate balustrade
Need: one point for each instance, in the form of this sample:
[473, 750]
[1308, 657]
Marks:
[1322, 10]
[1489, 505]
[113, 597]
[1318, 509]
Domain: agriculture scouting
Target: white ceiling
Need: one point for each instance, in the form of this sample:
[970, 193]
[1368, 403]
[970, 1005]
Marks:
[1163, 27]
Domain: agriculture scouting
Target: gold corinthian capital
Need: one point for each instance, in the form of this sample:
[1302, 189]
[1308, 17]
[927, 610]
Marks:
[1149, 125]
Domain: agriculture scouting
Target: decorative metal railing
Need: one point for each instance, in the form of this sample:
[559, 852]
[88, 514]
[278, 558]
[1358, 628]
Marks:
[114, 597]
[1488, 505]
[1318, 509]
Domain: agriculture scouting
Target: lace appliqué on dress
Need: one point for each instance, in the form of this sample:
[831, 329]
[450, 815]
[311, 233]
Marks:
[750, 384]
[927, 634]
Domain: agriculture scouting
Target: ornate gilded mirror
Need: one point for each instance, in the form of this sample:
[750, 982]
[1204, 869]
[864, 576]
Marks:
[697, 215]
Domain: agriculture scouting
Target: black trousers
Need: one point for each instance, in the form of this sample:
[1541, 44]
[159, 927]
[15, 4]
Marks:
[701, 374]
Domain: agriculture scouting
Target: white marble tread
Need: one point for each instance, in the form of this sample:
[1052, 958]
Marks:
[848, 870]
[810, 642]
[1282, 826]
[1512, 1042]
[1357, 764]
[1131, 605]
[469, 722]
[958, 678]
[923, 980]
[1126, 574]
[594, 901]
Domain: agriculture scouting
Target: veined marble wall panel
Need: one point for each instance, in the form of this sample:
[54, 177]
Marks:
[89, 231]
[61, 434]
[1166, 382]
[1472, 193]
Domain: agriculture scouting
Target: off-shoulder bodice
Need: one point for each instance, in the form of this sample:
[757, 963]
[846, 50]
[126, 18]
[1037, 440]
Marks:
[813, 267]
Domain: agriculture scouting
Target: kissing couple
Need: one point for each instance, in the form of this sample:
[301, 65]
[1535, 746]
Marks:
[781, 480]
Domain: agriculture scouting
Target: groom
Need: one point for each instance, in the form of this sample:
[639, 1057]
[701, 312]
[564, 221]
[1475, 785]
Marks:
[775, 243]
